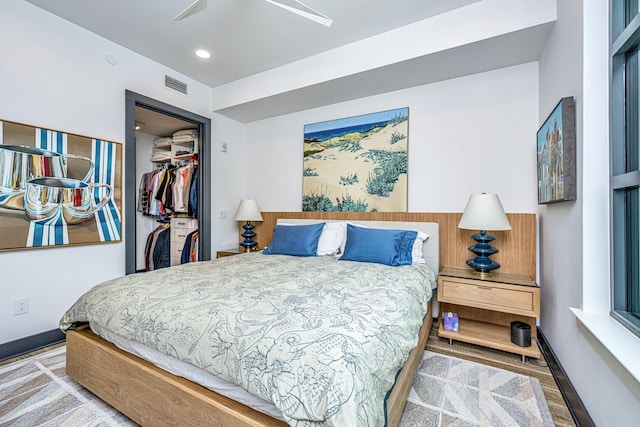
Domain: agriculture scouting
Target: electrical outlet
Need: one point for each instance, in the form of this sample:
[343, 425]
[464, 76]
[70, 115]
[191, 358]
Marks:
[223, 214]
[20, 306]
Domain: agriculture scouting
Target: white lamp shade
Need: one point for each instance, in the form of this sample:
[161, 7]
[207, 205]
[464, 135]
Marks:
[248, 210]
[484, 212]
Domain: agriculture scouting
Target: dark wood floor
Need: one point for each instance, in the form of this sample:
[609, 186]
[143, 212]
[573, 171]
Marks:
[511, 362]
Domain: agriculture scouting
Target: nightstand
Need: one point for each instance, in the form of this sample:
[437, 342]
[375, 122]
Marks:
[228, 252]
[486, 308]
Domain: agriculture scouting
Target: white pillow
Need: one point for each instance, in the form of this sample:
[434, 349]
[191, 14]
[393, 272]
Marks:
[417, 257]
[416, 253]
[331, 239]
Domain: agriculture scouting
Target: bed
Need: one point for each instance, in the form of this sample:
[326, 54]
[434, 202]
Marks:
[323, 364]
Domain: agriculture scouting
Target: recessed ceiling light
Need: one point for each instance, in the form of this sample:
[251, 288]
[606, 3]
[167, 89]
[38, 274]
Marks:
[201, 53]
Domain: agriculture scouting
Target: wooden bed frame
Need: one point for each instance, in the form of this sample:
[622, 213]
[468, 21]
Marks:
[151, 396]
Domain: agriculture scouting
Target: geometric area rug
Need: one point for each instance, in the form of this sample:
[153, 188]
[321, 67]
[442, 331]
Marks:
[447, 392]
[36, 391]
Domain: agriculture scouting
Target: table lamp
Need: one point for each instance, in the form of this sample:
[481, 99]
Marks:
[483, 212]
[248, 211]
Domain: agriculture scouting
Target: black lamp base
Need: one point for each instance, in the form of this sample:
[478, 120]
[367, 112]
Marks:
[483, 250]
[248, 243]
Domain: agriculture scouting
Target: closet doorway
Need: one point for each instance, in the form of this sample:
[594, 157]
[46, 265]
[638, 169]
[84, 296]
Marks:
[157, 119]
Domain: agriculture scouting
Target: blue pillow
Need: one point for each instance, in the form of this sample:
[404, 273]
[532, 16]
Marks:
[297, 240]
[389, 247]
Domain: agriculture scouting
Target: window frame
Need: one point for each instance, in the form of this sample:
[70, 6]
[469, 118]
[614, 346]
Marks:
[625, 39]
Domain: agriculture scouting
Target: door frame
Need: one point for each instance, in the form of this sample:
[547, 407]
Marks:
[134, 100]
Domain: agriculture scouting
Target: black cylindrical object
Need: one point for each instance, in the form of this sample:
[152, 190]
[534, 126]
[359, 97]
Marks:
[521, 334]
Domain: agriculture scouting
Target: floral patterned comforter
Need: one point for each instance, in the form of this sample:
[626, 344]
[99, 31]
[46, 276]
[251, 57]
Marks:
[321, 339]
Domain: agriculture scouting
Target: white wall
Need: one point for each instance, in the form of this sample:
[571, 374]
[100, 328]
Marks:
[229, 172]
[560, 258]
[466, 135]
[574, 236]
[54, 75]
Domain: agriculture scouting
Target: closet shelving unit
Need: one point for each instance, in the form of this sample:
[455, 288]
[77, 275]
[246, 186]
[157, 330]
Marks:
[177, 153]
[183, 150]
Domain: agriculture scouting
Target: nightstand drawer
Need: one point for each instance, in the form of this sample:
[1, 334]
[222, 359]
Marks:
[509, 299]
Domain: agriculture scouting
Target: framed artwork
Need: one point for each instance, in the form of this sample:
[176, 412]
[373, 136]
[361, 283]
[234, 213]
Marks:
[357, 164]
[556, 147]
[57, 189]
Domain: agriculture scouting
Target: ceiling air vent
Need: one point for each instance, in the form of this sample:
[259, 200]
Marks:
[175, 84]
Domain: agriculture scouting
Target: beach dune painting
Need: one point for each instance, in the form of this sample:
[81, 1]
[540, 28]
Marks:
[357, 164]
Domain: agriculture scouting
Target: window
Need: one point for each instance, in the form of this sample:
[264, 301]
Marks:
[625, 161]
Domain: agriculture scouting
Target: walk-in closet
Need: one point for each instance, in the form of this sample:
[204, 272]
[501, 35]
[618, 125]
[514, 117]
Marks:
[167, 200]
[168, 206]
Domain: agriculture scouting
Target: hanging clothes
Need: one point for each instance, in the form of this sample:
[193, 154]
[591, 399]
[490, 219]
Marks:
[194, 246]
[143, 193]
[154, 204]
[169, 190]
[192, 211]
[157, 245]
[181, 186]
[164, 190]
[162, 250]
[190, 242]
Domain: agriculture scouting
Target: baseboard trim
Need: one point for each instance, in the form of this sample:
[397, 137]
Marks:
[27, 345]
[574, 403]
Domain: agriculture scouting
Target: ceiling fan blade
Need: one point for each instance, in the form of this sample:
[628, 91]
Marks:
[302, 9]
[195, 7]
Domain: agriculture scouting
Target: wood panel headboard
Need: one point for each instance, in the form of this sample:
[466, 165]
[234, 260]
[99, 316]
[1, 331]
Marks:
[517, 246]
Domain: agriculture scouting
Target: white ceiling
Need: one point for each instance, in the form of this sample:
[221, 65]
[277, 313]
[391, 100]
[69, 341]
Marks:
[245, 37]
[261, 52]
